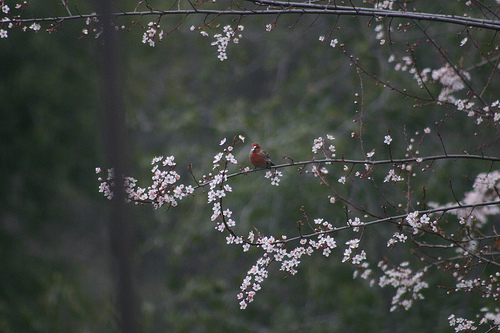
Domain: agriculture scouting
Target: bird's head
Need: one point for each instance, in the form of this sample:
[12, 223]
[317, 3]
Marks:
[255, 147]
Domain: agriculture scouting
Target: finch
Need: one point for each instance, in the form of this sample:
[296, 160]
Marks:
[259, 157]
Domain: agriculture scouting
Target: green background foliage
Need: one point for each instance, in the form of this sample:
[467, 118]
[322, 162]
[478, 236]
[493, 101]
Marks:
[282, 88]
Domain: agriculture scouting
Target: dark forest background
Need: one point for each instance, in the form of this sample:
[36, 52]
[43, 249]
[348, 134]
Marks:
[282, 88]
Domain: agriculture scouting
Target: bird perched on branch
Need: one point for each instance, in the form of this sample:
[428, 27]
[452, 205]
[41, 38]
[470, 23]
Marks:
[259, 157]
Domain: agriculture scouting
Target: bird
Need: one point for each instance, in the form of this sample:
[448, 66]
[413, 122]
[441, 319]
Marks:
[259, 157]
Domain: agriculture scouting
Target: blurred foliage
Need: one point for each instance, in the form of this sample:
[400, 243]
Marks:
[281, 88]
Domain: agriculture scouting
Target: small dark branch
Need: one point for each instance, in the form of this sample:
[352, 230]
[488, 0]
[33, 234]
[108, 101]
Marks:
[493, 328]
[450, 185]
[65, 4]
[445, 56]
[424, 198]
[419, 73]
[191, 172]
[299, 228]
[287, 158]
[355, 63]
[495, 188]
[442, 143]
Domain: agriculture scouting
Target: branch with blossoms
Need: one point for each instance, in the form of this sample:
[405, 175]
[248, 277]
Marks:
[18, 17]
[263, 7]
[163, 190]
[424, 231]
[456, 237]
[449, 77]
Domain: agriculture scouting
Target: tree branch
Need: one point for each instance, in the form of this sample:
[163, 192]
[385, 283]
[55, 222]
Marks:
[290, 8]
[370, 162]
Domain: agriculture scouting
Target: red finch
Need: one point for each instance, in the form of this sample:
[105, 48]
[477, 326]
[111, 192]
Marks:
[259, 157]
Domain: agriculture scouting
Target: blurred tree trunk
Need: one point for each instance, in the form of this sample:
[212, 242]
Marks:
[115, 147]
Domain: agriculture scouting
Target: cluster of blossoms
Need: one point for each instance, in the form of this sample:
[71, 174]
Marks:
[325, 241]
[275, 250]
[393, 176]
[317, 171]
[34, 26]
[469, 285]
[162, 191]
[153, 34]
[355, 224]
[379, 29]
[227, 156]
[385, 4]
[491, 316]
[355, 259]
[320, 146]
[490, 111]
[485, 189]
[106, 185]
[489, 287]
[489, 291]
[451, 81]
[461, 324]
[447, 76]
[218, 188]
[6, 10]
[397, 237]
[13, 19]
[418, 224]
[274, 176]
[216, 192]
[408, 285]
[92, 26]
[222, 40]
[252, 282]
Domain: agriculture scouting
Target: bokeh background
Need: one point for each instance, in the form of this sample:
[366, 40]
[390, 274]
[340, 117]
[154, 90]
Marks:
[282, 88]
